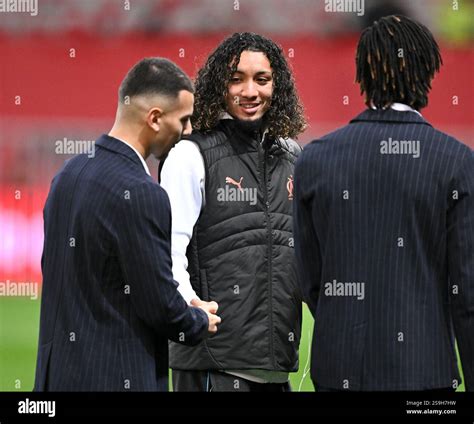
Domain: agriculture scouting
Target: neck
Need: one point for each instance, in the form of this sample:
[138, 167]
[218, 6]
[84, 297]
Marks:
[252, 128]
[131, 135]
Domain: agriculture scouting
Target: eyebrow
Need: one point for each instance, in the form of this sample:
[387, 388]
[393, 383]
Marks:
[257, 73]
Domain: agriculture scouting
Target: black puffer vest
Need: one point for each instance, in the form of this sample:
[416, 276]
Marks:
[241, 254]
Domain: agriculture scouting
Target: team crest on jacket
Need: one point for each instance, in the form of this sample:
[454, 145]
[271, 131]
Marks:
[289, 187]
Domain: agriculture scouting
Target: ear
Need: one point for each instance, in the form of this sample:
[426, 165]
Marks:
[153, 118]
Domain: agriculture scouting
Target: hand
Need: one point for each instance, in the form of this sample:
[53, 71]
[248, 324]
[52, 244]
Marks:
[210, 308]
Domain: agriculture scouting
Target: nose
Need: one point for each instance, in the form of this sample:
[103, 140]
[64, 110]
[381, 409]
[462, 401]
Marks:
[188, 129]
[249, 89]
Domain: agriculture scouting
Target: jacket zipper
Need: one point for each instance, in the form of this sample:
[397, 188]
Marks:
[269, 247]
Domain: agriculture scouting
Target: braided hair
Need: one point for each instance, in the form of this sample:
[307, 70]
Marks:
[396, 61]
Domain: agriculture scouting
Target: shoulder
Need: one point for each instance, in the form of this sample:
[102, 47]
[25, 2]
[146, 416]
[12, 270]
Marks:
[449, 152]
[290, 146]
[209, 139]
[328, 141]
[184, 147]
[184, 157]
[452, 144]
[462, 156]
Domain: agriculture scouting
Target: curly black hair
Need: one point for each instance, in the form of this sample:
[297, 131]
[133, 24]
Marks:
[396, 60]
[285, 117]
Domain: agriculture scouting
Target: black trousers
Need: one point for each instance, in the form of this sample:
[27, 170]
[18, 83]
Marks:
[216, 381]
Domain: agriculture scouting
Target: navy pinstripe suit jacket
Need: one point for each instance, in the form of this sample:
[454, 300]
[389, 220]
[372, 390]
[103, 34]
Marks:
[384, 238]
[109, 301]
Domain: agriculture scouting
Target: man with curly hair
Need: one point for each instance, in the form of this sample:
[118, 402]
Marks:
[230, 185]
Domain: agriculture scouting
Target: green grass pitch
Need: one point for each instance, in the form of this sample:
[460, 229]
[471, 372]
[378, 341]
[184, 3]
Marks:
[19, 324]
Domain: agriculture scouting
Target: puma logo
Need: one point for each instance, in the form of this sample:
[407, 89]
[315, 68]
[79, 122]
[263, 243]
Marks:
[236, 193]
[230, 180]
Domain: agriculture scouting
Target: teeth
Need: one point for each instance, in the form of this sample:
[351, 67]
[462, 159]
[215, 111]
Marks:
[248, 106]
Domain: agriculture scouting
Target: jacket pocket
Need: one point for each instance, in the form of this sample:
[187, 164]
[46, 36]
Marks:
[204, 285]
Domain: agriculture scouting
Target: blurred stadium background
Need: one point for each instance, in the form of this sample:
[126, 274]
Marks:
[59, 75]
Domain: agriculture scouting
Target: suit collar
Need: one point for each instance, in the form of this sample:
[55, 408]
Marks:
[390, 115]
[117, 146]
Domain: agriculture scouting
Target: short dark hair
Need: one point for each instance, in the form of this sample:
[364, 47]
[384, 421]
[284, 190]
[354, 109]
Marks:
[285, 117]
[387, 76]
[154, 75]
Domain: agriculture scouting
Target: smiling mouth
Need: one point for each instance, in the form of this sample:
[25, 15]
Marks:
[250, 108]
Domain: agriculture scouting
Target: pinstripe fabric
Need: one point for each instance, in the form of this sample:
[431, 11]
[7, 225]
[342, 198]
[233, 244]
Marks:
[109, 302]
[402, 225]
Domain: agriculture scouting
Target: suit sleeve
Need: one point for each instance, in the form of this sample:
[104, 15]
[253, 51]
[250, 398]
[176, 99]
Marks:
[307, 248]
[460, 222]
[144, 228]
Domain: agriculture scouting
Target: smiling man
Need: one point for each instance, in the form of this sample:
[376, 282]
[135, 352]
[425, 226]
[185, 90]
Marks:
[230, 188]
